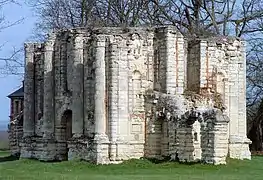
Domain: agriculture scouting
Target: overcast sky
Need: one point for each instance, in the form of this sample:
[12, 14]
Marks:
[13, 37]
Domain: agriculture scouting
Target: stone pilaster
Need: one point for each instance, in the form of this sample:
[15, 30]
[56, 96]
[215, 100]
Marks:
[47, 145]
[180, 64]
[39, 87]
[101, 141]
[175, 61]
[242, 128]
[29, 121]
[113, 99]
[123, 93]
[48, 110]
[171, 61]
[27, 150]
[77, 96]
[88, 89]
[238, 141]
[214, 140]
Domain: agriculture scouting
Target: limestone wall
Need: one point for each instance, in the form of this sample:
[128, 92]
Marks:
[170, 61]
[214, 139]
[224, 73]
[65, 68]
[154, 132]
[185, 144]
[15, 127]
[217, 66]
[86, 88]
[130, 73]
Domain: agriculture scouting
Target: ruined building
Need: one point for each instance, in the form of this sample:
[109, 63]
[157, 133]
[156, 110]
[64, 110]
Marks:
[111, 94]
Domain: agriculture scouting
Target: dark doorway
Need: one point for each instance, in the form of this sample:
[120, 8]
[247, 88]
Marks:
[66, 123]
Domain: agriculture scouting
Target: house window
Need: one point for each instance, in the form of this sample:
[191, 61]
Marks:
[16, 107]
[12, 108]
[22, 105]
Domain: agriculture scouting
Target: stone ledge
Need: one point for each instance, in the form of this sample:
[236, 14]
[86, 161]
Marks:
[235, 139]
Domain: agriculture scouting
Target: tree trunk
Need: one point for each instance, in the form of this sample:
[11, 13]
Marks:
[255, 133]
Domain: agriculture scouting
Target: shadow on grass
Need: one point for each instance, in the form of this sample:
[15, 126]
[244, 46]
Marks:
[168, 160]
[5, 156]
[9, 158]
[157, 161]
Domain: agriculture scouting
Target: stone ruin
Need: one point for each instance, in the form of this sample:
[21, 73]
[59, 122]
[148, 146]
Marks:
[186, 130]
[111, 94]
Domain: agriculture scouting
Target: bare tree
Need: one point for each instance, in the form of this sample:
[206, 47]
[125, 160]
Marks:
[225, 17]
[57, 14]
[10, 64]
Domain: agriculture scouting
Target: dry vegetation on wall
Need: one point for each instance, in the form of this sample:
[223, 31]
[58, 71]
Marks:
[215, 97]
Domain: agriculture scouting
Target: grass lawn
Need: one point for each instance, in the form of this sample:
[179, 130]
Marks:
[134, 169]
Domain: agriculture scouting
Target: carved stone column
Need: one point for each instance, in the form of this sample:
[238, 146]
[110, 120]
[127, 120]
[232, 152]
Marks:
[48, 111]
[100, 87]
[77, 96]
[101, 139]
[29, 122]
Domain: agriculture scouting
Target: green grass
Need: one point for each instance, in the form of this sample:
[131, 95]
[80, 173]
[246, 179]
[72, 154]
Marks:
[3, 154]
[134, 169]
